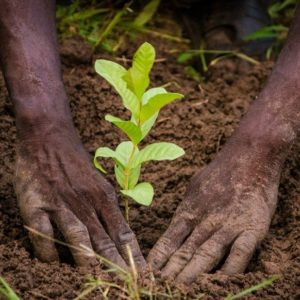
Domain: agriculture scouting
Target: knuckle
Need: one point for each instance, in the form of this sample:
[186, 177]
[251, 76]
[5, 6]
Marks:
[41, 227]
[135, 250]
[182, 256]
[164, 245]
[109, 191]
[246, 244]
[30, 202]
[105, 246]
[242, 248]
[75, 230]
[132, 250]
[209, 250]
[186, 277]
[160, 251]
[126, 237]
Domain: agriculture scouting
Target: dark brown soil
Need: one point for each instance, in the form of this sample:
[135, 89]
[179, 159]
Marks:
[200, 123]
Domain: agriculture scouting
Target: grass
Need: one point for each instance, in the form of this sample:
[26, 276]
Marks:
[125, 284]
[106, 26]
[6, 291]
[281, 14]
[129, 289]
[252, 289]
[201, 55]
[109, 28]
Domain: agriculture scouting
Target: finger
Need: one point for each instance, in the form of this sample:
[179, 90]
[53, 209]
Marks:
[102, 243]
[182, 256]
[170, 241]
[207, 256]
[44, 246]
[118, 229]
[36, 219]
[240, 253]
[128, 246]
[77, 235]
[125, 240]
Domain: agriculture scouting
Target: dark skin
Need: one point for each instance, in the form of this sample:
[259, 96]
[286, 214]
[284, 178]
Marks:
[228, 206]
[55, 179]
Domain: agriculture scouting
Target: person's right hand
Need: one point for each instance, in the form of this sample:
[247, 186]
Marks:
[57, 183]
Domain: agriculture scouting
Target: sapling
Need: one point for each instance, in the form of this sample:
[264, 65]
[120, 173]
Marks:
[144, 106]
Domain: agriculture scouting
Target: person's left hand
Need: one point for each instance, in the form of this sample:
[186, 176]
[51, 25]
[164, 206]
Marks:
[227, 209]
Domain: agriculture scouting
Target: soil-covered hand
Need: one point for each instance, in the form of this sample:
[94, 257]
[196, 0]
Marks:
[56, 183]
[226, 211]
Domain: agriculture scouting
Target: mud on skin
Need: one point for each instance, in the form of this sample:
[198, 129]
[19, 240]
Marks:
[55, 182]
[228, 206]
[203, 121]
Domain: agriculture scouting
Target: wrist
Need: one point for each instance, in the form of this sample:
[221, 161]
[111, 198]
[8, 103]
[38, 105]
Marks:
[273, 119]
[41, 123]
[42, 112]
[263, 147]
[43, 128]
[266, 127]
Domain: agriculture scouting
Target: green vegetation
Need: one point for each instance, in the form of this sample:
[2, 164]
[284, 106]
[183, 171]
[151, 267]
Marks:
[126, 284]
[6, 291]
[188, 55]
[201, 54]
[132, 290]
[144, 106]
[108, 27]
[281, 13]
[254, 288]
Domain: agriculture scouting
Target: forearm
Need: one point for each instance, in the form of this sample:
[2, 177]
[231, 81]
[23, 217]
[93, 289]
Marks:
[30, 63]
[273, 120]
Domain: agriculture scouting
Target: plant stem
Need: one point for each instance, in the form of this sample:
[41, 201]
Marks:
[126, 181]
[202, 56]
[126, 210]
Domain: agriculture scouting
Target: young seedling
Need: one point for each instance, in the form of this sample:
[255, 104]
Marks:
[144, 106]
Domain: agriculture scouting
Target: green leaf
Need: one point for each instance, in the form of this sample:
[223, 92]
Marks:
[141, 193]
[146, 14]
[129, 128]
[119, 172]
[109, 69]
[159, 151]
[136, 81]
[124, 151]
[156, 103]
[144, 58]
[151, 93]
[133, 178]
[113, 73]
[193, 73]
[99, 166]
[266, 32]
[277, 7]
[137, 77]
[184, 57]
[146, 127]
[103, 152]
